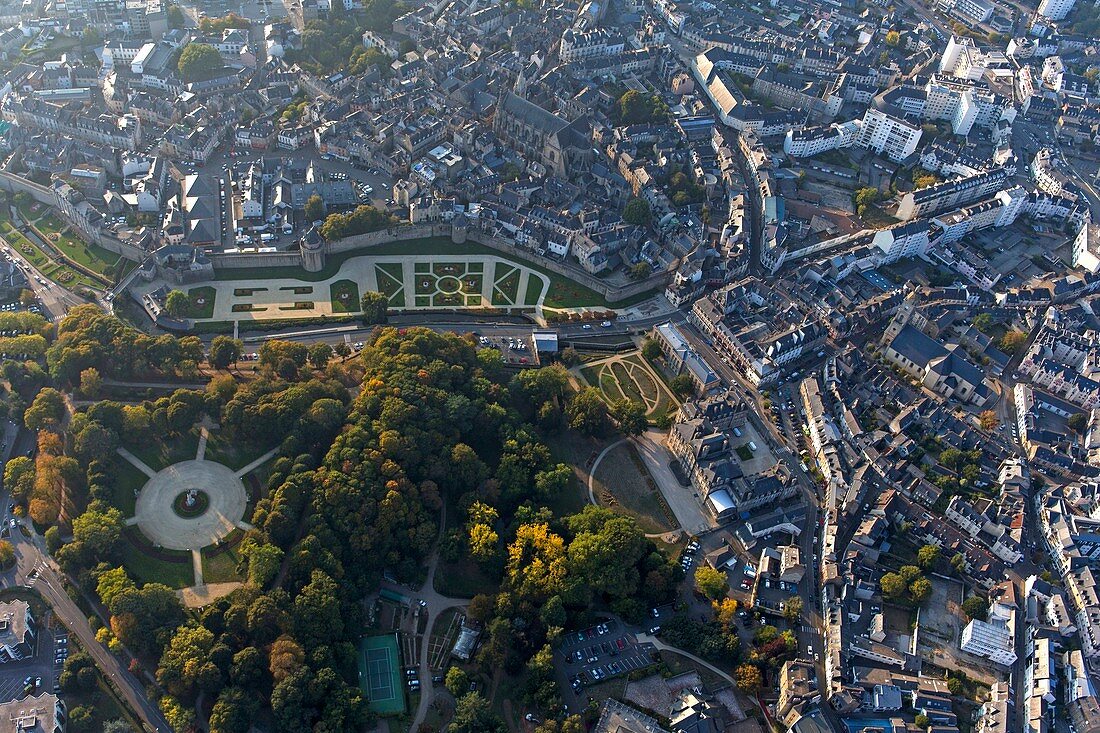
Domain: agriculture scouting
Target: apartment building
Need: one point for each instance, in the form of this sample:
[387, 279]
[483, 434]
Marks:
[887, 135]
[951, 194]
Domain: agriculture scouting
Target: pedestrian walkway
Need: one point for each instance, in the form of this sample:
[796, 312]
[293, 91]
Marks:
[196, 563]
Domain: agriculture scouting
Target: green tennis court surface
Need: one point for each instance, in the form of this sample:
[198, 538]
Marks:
[379, 674]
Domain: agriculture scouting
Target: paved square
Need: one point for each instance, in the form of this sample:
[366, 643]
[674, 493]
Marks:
[158, 521]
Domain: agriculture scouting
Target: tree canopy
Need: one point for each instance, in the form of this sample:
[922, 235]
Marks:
[199, 61]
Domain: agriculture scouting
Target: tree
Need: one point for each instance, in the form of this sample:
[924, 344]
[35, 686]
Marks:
[315, 208]
[587, 412]
[920, 590]
[264, 560]
[94, 442]
[177, 304]
[484, 542]
[927, 556]
[224, 351]
[7, 554]
[90, 382]
[176, 18]
[710, 582]
[748, 678]
[19, 477]
[976, 607]
[922, 721]
[629, 415]
[635, 107]
[893, 38]
[682, 385]
[374, 306]
[984, 322]
[1078, 422]
[1012, 342]
[792, 610]
[180, 717]
[233, 712]
[320, 354]
[46, 411]
[362, 220]
[473, 714]
[892, 586]
[864, 197]
[99, 529]
[640, 271]
[199, 61]
[651, 349]
[637, 212]
[184, 660]
[988, 420]
[457, 682]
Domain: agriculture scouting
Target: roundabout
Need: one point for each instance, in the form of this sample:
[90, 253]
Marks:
[190, 505]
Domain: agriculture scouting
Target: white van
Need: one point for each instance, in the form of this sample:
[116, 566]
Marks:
[267, 237]
[752, 446]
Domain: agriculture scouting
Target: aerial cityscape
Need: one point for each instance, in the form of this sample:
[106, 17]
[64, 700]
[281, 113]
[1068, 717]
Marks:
[527, 366]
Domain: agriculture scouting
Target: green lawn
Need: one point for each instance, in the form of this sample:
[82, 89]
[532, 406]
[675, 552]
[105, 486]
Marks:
[626, 384]
[127, 480]
[577, 451]
[91, 256]
[391, 283]
[205, 309]
[424, 284]
[158, 453]
[472, 283]
[234, 454]
[534, 291]
[220, 566]
[744, 452]
[344, 296]
[145, 568]
[505, 285]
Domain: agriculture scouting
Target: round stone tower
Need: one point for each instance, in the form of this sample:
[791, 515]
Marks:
[313, 250]
[459, 228]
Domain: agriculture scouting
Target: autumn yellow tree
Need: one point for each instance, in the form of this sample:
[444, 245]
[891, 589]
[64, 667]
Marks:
[725, 611]
[536, 563]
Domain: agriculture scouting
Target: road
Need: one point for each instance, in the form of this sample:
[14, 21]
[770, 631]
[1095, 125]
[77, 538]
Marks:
[31, 560]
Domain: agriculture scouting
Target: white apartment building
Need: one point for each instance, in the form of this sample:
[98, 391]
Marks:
[811, 141]
[1086, 248]
[992, 641]
[895, 138]
[902, 241]
[576, 46]
[1056, 9]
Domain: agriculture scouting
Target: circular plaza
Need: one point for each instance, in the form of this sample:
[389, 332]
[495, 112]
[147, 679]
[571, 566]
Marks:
[190, 505]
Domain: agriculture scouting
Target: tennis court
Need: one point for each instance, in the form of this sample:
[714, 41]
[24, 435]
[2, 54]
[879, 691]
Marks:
[379, 674]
